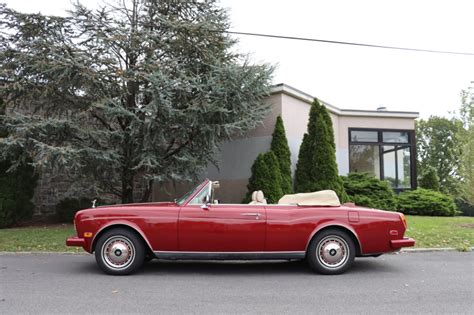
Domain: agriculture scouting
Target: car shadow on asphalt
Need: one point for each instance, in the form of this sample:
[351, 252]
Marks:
[238, 268]
[254, 267]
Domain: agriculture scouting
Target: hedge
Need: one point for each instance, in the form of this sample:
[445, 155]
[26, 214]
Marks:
[365, 190]
[426, 202]
[67, 208]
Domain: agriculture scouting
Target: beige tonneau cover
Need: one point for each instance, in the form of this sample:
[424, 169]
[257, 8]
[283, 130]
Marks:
[318, 198]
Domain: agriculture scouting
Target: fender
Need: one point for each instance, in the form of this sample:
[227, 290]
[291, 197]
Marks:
[333, 224]
[131, 225]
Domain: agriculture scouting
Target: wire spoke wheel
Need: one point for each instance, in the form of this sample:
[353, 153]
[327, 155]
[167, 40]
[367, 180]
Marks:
[118, 252]
[332, 251]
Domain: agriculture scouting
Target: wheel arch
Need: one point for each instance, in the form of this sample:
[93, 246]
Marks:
[125, 225]
[340, 227]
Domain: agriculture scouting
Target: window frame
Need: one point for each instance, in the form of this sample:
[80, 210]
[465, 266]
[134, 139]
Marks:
[380, 144]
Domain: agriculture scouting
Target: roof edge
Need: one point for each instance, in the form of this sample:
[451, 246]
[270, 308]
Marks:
[307, 98]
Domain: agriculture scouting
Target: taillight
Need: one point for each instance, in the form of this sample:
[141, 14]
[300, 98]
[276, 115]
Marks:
[402, 217]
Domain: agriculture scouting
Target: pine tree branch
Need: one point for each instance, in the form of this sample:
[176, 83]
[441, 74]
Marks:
[109, 88]
[102, 121]
[180, 147]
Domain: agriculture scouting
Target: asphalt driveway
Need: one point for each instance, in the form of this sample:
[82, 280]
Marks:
[437, 282]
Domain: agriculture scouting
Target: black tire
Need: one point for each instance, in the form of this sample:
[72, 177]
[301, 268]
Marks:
[119, 252]
[331, 252]
[149, 257]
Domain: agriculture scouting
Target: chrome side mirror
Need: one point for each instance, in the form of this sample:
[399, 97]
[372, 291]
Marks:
[207, 202]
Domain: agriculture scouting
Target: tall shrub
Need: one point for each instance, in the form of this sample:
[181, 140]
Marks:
[429, 179]
[365, 190]
[265, 177]
[317, 168]
[282, 152]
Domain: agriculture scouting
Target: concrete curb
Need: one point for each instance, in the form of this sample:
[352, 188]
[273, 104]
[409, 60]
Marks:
[428, 250]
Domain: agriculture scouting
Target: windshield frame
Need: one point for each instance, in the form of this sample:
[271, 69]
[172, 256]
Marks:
[186, 198]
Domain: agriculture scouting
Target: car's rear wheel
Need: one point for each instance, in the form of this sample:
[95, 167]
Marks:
[119, 252]
[331, 252]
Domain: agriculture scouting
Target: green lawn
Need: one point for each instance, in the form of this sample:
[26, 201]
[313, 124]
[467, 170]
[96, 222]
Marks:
[457, 232]
[43, 238]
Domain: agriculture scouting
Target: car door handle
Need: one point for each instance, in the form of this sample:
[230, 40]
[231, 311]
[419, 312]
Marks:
[248, 214]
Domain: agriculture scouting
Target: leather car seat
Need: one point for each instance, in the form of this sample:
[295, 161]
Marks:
[258, 198]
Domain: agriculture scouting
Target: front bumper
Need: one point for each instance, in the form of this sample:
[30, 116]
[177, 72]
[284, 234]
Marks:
[404, 242]
[75, 241]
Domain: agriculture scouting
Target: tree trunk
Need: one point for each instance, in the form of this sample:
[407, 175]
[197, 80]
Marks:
[148, 191]
[127, 186]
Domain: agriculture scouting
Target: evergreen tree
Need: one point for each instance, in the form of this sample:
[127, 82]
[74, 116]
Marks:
[429, 179]
[317, 168]
[467, 156]
[265, 177]
[279, 146]
[138, 91]
[304, 163]
[16, 186]
[439, 144]
[328, 121]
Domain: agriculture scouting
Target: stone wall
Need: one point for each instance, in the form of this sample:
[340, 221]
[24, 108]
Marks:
[52, 188]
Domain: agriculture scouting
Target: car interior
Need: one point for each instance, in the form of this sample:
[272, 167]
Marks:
[318, 198]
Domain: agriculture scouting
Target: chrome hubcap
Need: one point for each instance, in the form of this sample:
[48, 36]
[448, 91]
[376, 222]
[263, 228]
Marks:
[332, 252]
[118, 252]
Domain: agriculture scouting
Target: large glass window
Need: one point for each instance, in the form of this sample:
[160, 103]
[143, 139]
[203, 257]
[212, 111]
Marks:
[395, 137]
[364, 136]
[365, 158]
[404, 167]
[389, 165]
[387, 154]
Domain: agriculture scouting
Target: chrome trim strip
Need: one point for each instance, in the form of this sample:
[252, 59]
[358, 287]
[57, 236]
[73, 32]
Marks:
[336, 225]
[230, 255]
[117, 223]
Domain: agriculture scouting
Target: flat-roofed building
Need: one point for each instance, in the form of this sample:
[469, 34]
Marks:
[380, 142]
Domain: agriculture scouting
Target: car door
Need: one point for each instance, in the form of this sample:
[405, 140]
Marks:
[222, 228]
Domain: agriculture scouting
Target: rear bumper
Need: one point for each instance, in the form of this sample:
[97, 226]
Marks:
[75, 241]
[404, 242]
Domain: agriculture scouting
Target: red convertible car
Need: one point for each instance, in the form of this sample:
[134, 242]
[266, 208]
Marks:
[312, 226]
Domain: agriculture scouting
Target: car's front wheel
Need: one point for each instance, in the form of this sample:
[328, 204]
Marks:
[119, 252]
[331, 252]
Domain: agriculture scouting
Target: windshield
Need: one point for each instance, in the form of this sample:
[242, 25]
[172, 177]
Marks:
[181, 200]
[201, 197]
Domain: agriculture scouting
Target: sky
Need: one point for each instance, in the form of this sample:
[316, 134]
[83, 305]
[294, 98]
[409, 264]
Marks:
[345, 76]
